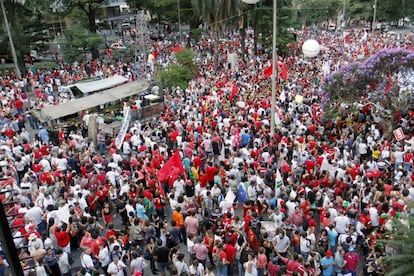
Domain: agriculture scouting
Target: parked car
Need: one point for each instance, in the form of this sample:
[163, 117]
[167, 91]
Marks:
[117, 46]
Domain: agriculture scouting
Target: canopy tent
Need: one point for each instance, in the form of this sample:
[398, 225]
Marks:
[99, 85]
[71, 107]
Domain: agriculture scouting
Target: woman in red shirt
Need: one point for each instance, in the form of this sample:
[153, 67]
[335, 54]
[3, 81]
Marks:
[63, 238]
[253, 241]
[261, 261]
[209, 242]
[107, 214]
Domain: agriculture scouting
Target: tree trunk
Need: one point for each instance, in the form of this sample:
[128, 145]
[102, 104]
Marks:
[91, 21]
[242, 31]
[256, 28]
[216, 46]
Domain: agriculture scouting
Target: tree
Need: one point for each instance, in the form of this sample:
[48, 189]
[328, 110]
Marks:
[384, 78]
[219, 15]
[90, 8]
[316, 11]
[179, 73]
[286, 19]
[77, 41]
[360, 9]
[401, 240]
[26, 21]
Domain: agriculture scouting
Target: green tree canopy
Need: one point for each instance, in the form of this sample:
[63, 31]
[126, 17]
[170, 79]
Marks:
[179, 73]
[401, 240]
[77, 41]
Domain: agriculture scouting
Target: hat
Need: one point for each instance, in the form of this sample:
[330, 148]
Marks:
[32, 236]
[329, 253]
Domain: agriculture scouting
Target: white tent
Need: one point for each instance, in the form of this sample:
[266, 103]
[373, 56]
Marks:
[110, 95]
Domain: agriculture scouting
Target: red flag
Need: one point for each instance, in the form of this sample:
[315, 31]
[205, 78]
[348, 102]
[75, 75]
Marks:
[233, 91]
[268, 72]
[171, 169]
[282, 73]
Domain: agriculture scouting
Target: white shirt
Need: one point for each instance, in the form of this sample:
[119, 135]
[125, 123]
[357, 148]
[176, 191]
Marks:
[251, 192]
[373, 214]
[62, 164]
[86, 261]
[103, 256]
[35, 213]
[45, 165]
[341, 223]
[116, 269]
[179, 187]
[63, 262]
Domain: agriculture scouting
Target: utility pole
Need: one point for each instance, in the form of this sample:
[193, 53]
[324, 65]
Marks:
[13, 50]
[274, 71]
[373, 23]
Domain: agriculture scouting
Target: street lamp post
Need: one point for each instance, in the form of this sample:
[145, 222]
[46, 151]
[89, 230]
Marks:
[373, 24]
[274, 65]
[374, 17]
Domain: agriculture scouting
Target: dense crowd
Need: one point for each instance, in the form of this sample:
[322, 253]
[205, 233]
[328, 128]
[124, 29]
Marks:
[313, 199]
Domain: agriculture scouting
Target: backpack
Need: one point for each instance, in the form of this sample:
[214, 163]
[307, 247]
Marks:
[93, 229]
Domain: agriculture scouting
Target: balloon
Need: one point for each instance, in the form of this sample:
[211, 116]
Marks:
[311, 48]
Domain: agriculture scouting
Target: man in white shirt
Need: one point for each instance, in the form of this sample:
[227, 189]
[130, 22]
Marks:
[46, 167]
[61, 163]
[86, 260]
[116, 267]
[251, 191]
[341, 223]
[373, 214]
[35, 213]
[179, 186]
[277, 217]
[63, 262]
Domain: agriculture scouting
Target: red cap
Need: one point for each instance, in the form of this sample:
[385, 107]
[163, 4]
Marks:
[329, 253]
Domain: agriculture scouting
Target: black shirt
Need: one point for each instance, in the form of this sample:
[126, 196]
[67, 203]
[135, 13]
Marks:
[162, 254]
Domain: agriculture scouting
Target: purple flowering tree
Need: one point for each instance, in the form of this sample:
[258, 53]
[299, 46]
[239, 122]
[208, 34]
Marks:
[385, 80]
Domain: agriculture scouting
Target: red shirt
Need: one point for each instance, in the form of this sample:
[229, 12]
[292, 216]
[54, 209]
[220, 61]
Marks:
[230, 253]
[352, 260]
[37, 168]
[110, 233]
[62, 237]
[18, 104]
[253, 242]
[158, 202]
[61, 136]
[45, 150]
[211, 172]
[197, 162]
[102, 194]
[92, 202]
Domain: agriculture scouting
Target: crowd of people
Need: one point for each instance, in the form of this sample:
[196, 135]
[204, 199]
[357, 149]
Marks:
[312, 199]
